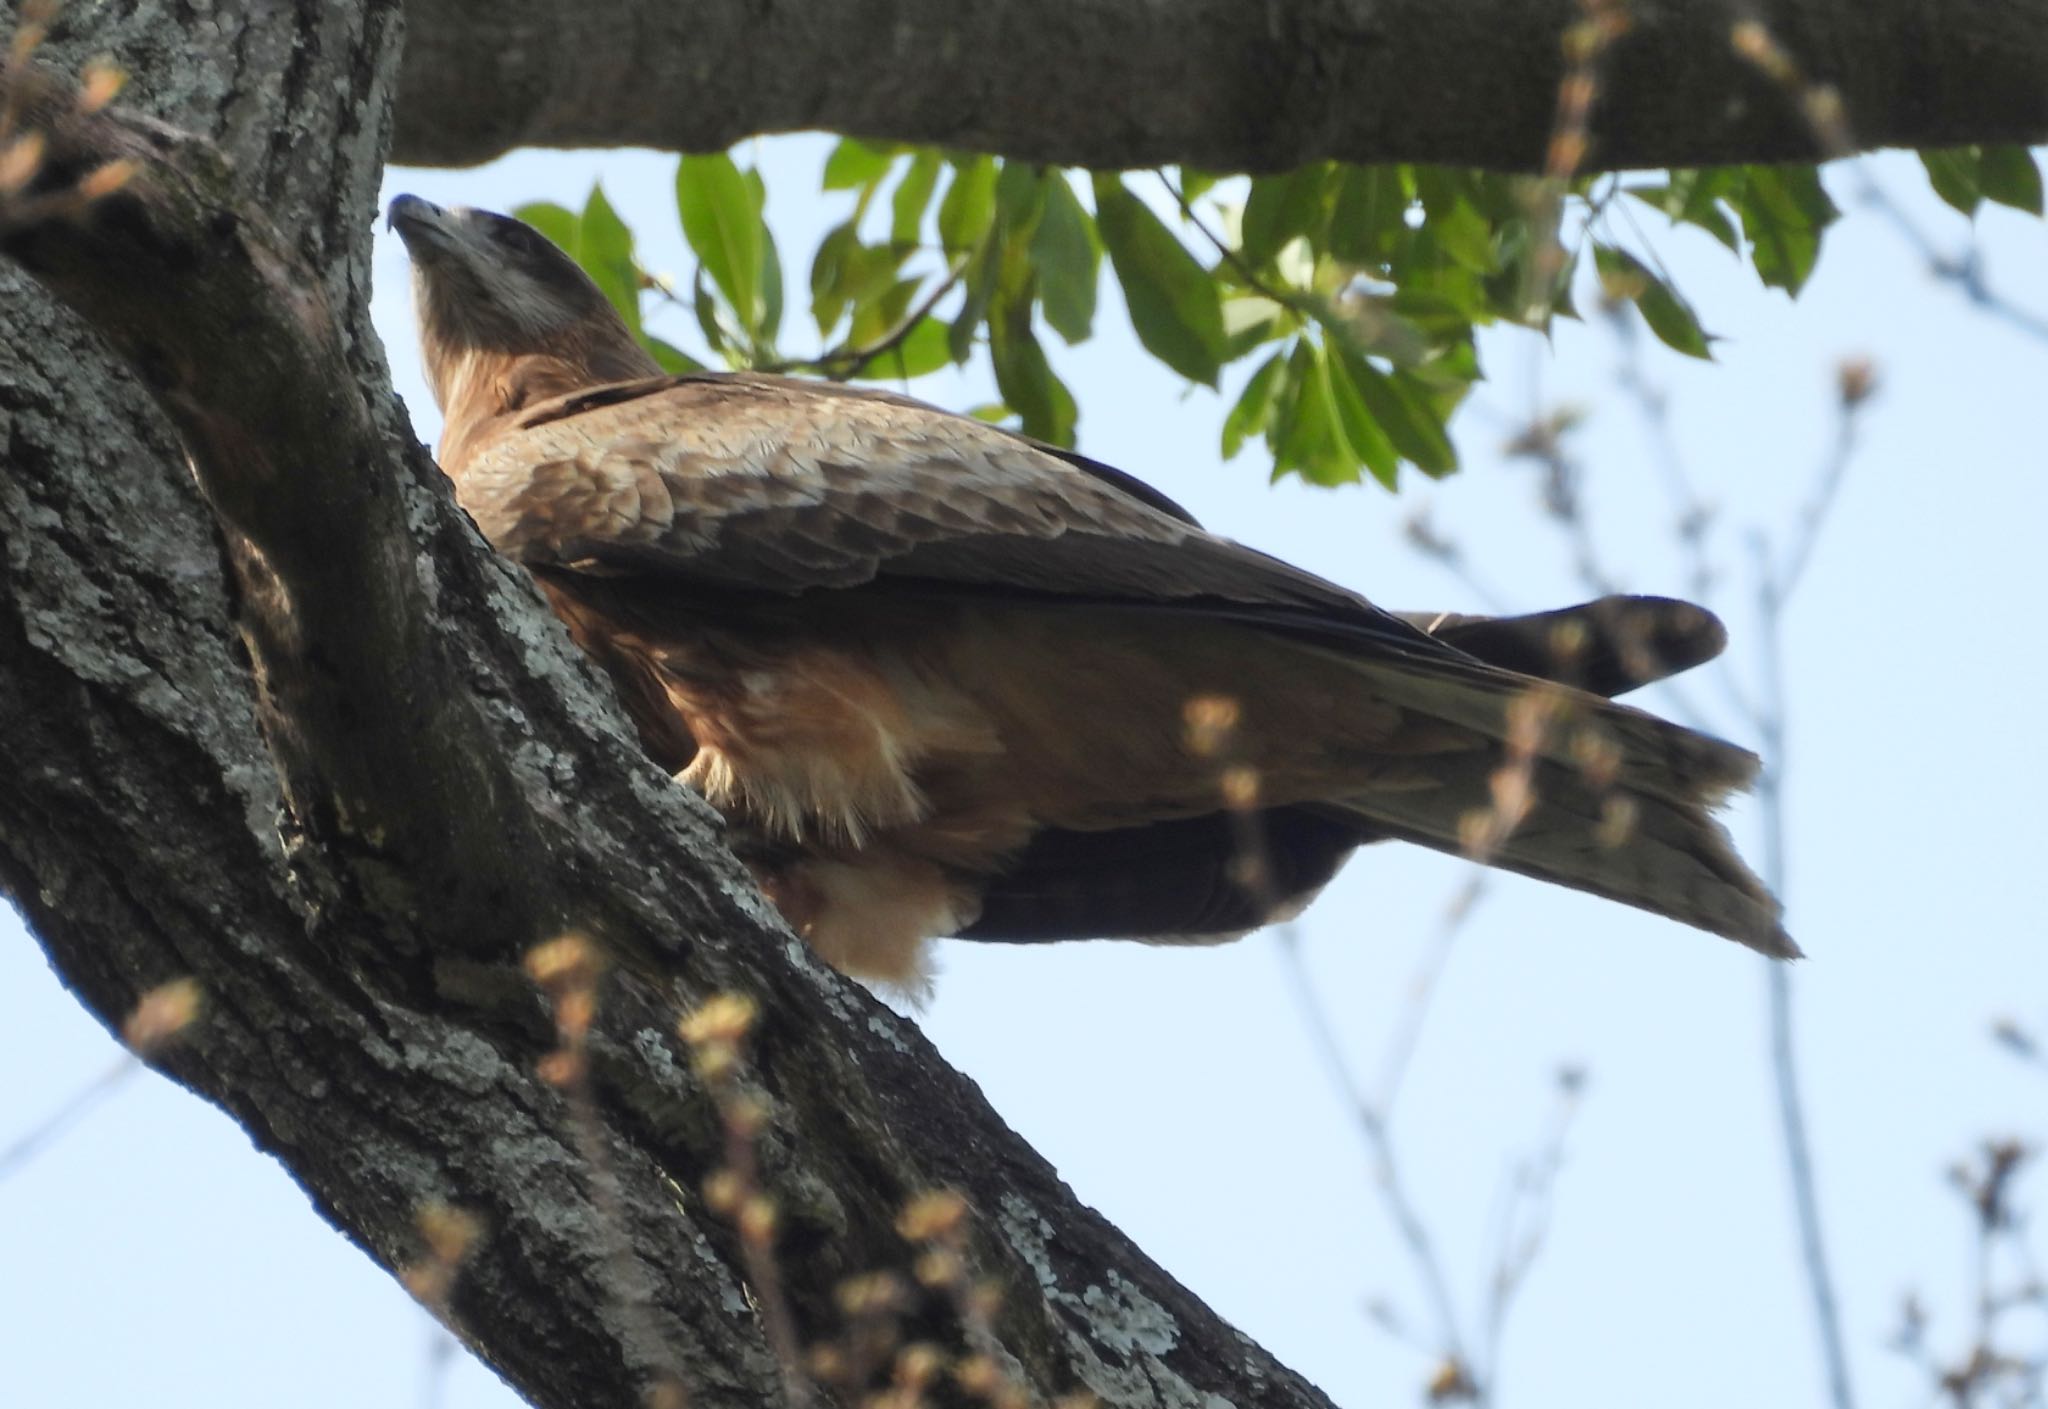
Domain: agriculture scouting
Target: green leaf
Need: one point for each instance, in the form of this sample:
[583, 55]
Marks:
[673, 360]
[979, 285]
[1460, 235]
[723, 225]
[1358, 433]
[1195, 183]
[1953, 175]
[1280, 208]
[1447, 377]
[1020, 197]
[1452, 223]
[1370, 324]
[1439, 318]
[558, 223]
[1252, 319]
[853, 277]
[922, 351]
[2010, 177]
[1401, 407]
[877, 317]
[708, 323]
[1623, 276]
[1369, 220]
[912, 196]
[1451, 287]
[771, 292]
[1068, 256]
[829, 275]
[604, 247]
[1693, 198]
[1784, 209]
[969, 206]
[1255, 405]
[855, 163]
[1173, 300]
[1303, 435]
[1027, 382]
[1497, 196]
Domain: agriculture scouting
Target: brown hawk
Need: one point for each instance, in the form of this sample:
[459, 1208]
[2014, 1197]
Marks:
[945, 680]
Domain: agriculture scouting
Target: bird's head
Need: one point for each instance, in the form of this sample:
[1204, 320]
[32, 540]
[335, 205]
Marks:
[491, 290]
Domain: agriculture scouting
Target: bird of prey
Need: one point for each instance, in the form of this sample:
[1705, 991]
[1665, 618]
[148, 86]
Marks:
[943, 679]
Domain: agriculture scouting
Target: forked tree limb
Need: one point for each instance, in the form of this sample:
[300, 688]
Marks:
[279, 721]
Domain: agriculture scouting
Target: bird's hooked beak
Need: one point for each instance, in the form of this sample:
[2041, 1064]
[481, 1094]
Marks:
[415, 219]
[490, 285]
[443, 241]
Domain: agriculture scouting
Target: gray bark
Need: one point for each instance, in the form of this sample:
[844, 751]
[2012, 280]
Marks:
[273, 717]
[1223, 84]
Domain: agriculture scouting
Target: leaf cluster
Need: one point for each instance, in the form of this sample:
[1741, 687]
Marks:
[1339, 302]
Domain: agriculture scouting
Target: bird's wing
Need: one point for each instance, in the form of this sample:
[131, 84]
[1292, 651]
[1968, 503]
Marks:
[770, 488]
[768, 485]
[1610, 645]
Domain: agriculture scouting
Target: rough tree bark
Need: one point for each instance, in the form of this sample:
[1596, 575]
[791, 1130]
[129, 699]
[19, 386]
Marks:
[1223, 84]
[279, 721]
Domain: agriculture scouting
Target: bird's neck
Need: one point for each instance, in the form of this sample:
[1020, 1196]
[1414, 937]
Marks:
[479, 390]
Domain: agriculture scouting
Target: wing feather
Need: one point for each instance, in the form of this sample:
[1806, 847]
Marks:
[754, 483]
[765, 485]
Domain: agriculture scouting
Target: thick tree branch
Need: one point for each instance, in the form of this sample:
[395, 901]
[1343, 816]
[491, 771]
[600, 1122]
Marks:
[450, 782]
[1220, 84]
[381, 748]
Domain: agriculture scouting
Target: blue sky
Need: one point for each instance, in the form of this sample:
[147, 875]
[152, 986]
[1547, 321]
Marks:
[151, 1255]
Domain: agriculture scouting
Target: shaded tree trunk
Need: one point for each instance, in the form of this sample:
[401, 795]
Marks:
[278, 720]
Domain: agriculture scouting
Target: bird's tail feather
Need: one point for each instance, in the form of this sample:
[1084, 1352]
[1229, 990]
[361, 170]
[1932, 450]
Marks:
[1610, 743]
[1581, 792]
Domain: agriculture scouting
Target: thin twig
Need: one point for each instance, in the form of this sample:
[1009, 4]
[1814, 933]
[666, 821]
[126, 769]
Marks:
[1534, 1189]
[1542, 441]
[1422, 988]
[1783, 581]
[1777, 579]
[160, 1018]
[1286, 298]
[1379, 1143]
[1819, 103]
[17, 1155]
[440, 1358]
[1653, 405]
[1585, 42]
[1423, 537]
[844, 363]
[1774, 592]
[1964, 271]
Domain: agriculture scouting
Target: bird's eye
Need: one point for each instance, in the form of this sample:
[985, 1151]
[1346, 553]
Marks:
[522, 238]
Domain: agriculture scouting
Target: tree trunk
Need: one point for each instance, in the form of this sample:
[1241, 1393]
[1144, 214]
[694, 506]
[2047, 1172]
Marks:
[1228, 85]
[273, 717]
